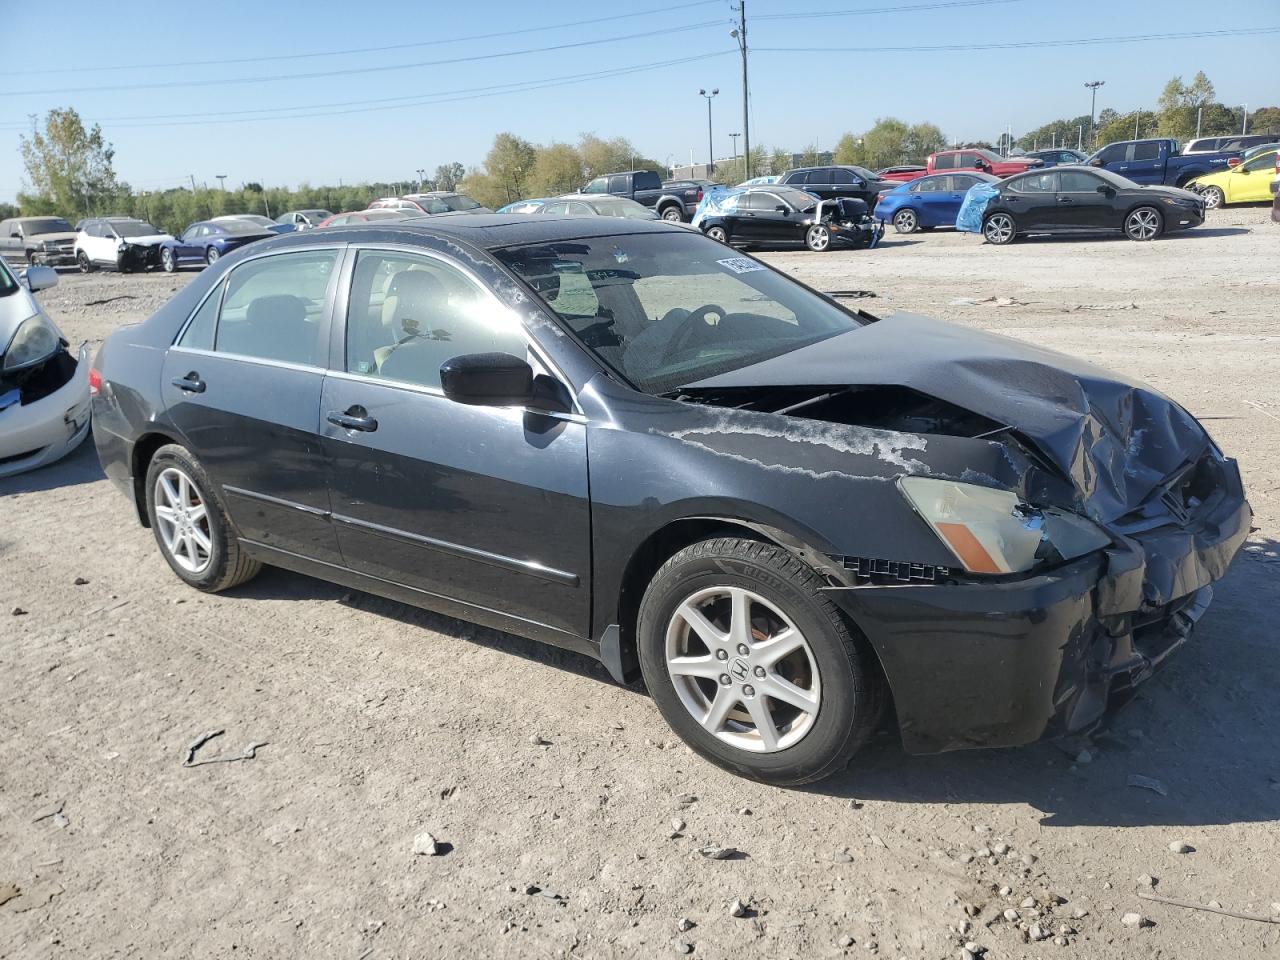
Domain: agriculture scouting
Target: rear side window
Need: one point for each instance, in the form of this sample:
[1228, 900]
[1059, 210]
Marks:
[199, 332]
[272, 307]
[618, 183]
[598, 185]
[648, 180]
[1146, 151]
[945, 161]
[1035, 183]
[842, 176]
[934, 185]
[962, 181]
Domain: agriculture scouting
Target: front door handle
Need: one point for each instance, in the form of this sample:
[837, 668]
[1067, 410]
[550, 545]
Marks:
[1065, 200]
[191, 383]
[356, 418]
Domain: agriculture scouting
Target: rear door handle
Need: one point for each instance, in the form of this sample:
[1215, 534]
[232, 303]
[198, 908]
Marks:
[356, 418]
[191, 383]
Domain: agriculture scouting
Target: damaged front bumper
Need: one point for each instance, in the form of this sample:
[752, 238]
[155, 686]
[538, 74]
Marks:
[44, 430]
[1003, 663]
[138, 256]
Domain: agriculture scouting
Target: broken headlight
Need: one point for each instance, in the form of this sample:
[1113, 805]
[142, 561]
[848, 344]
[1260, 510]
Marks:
[992, 531]
[34, 340]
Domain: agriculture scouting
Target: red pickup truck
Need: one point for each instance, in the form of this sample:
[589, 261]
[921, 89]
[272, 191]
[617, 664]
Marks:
[981, 160]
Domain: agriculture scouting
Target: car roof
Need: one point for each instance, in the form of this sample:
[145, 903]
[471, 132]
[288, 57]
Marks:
[485, 230]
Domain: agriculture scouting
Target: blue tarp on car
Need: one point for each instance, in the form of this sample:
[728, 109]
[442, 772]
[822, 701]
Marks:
[976, 198]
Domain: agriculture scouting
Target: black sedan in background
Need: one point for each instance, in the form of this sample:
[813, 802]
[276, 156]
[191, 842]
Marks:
[839, 182]
[1072, 199]
[619, 437]
[777, 216]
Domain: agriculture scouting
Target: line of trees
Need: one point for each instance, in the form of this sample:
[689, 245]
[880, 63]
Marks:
[70, 172]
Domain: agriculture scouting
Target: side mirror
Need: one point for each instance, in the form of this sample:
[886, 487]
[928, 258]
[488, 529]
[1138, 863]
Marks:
[1103, 188]
[39, 278]
[487, 380]
[1096, 162]
[781, 208]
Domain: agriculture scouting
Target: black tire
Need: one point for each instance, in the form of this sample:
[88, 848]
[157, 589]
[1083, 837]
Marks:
[818, 238]
[228, 565]
[168, 261]
[211, 255]
[852, 692]
[1143, 224]
[1213, 197]
[84, 263]
[999, 228]
[672, 213]
[906, 220]
[718, 234]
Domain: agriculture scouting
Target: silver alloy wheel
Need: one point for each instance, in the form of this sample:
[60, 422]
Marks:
[166, 260]
[1213, 197]
[211, 254]
[718, 234]
[742, 669]
[998, 228]
[905, 221]
[1142, 224]
[818, 238]
[183, 521]
[672, 215]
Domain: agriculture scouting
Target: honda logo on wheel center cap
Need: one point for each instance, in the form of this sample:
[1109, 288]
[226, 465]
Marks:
[739, 669]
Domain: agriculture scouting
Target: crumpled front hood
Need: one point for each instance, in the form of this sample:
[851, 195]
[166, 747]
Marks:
[1116, 439]
[150, 240]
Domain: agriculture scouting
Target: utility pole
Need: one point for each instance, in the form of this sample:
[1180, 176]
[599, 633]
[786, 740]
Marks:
[193, 182]
[1080, 137]
[740, 35]
[711, 154]
[1137, 114]
[1093, 86]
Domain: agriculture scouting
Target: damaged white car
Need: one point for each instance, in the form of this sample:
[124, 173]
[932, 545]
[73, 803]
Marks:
[44, 389]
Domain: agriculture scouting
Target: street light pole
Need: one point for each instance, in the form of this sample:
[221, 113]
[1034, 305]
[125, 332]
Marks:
[711, 155]
[734, 137]
[222, 181]
[1093, 86]
[1244, 119]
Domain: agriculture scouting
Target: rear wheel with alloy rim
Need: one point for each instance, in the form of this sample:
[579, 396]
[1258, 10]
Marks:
[1144, 223]
[190, 524]
[1213, 197]
[906, 221]
[672, 214]
[84, 263]
[718, 234]
[752, 664]
[167, 260]
[817, 238]
[211, 256]
[999, 229]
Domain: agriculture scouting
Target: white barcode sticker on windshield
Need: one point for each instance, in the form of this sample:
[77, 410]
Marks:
[740, 265]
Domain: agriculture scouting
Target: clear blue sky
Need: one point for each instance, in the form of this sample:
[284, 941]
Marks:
[797, 97]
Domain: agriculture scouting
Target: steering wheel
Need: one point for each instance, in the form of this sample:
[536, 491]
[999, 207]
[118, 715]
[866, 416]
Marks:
[695, 330]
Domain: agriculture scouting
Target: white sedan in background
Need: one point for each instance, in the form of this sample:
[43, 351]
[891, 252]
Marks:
[44, 389]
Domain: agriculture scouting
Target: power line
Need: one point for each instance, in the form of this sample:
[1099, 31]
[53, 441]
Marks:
[1026, 44]
[389, 103]
[337, 53]
[906, 8]
[349, 71]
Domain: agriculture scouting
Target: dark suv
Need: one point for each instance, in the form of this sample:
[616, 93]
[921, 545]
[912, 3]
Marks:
[834, 183]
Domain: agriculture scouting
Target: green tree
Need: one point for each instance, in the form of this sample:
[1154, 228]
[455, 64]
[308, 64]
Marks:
[923, 139]
[849, 150]
[606, 156]
[1265, 120]
[449, 175]
[779, 163]
[810, 156]
[510, 161]
[557, 169]
[68, 166]
[8, 210]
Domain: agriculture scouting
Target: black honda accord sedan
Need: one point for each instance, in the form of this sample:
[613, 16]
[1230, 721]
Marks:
[622, 438]
[1077, 198]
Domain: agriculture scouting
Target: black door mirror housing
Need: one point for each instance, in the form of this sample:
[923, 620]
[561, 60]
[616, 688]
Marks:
[1095, 162]
[781, 208]
[487, 380]
[1104, 188]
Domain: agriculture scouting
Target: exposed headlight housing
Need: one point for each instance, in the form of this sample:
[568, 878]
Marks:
[34, 340]
[992, 531]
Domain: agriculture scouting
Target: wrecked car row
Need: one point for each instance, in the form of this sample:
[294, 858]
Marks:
[617, 437]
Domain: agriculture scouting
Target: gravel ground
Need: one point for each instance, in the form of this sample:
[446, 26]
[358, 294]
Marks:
[383, 721]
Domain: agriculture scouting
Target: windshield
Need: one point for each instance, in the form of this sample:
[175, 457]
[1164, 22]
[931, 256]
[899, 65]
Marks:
[239, 228]
[797, 198]
[665, 310]
[864, 173]
[46, 225]
[624, 208]
[133, 228]
[459, 202]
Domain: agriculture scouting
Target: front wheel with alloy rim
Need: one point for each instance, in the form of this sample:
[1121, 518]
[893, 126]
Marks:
[167, 260]
[717, 234]
[999, 229]
[211, 256]
[1144, 223]
[817, 238]
[752, 664]
[1213, 197]
[84, 263]
[906, 221]
[190, 523]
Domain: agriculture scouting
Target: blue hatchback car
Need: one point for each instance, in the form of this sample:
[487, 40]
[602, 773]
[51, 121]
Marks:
[928, 202]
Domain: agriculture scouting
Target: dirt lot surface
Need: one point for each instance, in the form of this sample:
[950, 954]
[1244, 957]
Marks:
[383, 721]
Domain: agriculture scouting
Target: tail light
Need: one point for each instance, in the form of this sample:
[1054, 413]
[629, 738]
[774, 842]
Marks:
[1233, 161]
[700, 189]
[95, 381]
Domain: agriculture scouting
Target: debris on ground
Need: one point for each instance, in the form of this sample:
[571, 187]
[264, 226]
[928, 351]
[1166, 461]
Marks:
[49, 812]
[685, 799]
[538, 740]
[81, 582]
[38, 896]
[1181, 846]
[1213, 906]
[1136, 920]
[683, 946]
[684, 924]
[18, 612]
[425, 845]
[737, 908]
[1147, 783]
[8, 891]
[714, 852]
[249, 752]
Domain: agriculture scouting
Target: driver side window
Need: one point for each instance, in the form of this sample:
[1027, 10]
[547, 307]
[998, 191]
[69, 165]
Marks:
[409, 314]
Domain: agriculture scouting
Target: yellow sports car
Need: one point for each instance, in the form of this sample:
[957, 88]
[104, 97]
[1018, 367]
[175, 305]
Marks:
[1248, 183]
